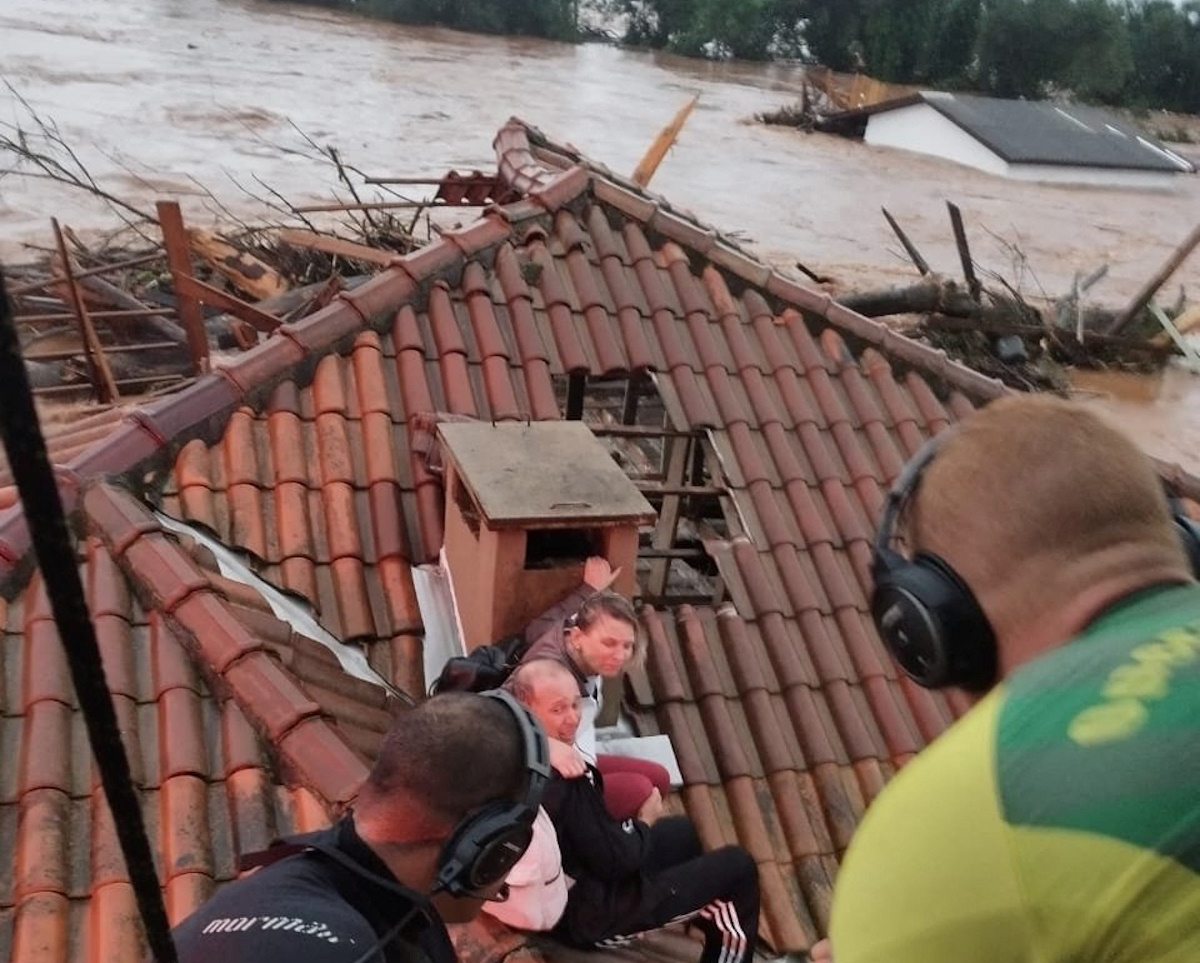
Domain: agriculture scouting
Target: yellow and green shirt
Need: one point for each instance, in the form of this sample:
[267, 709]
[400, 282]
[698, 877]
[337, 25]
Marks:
[1058, 821]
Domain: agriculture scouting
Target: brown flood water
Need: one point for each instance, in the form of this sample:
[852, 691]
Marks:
[156, 95]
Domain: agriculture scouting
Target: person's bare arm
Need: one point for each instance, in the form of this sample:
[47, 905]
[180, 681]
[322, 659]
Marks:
[598, 575]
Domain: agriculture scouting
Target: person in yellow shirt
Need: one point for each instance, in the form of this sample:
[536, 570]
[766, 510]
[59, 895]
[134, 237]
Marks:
[1047, 571]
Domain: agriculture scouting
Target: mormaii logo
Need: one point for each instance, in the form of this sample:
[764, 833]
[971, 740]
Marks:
[289, 924]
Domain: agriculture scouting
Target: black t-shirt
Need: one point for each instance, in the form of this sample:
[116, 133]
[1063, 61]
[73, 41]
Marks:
[312, 908]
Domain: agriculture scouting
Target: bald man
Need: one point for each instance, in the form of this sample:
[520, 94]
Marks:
[1059, 820]
[638, 874]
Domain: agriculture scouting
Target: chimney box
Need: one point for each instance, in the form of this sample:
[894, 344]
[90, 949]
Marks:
[526, 504]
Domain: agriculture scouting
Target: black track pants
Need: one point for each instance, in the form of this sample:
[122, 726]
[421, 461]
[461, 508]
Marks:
[717, 892]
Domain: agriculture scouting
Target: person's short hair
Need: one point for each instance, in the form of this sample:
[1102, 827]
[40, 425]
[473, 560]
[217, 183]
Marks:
[614, 606]
[451, 754]
[525, 677]
[1032, 477]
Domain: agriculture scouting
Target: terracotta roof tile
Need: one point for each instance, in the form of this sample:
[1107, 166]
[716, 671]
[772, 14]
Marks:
[315, 748]
[184, 751]
[40, 928]
[790, 658]
[68, 871]
[44, 666]
[44, 760]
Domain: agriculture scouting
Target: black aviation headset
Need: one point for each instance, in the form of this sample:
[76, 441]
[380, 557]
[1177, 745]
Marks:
[927, 616]
[488, 842]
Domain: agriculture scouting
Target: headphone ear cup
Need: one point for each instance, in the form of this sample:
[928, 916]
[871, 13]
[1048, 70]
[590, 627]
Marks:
[932, 624]
[1189, 535]
[483, 848]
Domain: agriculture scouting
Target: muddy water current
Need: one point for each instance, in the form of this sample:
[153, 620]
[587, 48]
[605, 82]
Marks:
[168, 96]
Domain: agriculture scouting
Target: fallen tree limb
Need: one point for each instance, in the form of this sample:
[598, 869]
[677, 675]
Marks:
[108, 296]
[933, 294]
[1061, 337]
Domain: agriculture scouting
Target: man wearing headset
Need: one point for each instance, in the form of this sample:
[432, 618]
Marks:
[630, 876]
[444, 814]
[1059, 820]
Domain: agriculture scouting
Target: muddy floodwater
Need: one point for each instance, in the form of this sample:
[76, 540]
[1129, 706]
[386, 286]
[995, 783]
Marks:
[158, 96]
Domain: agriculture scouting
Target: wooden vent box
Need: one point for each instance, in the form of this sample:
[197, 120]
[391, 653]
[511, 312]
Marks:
[526, 504]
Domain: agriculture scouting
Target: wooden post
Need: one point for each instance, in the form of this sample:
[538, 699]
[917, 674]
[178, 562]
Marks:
[909, 248]
[629, 404]
[675, 463]
[576, 384]
[101, 375]
[179, 260]
[964, 251]
[1142, 298]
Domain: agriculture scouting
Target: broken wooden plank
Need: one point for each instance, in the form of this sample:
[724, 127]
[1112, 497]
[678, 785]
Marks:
[101, 375]
[139, 314]
[131, 385]
[175, 238]
[64, 353]
[34, 286]
[662, 144]
[187, 287]
[379, 206]
[336, 246]
[245, 273]
[664, 488]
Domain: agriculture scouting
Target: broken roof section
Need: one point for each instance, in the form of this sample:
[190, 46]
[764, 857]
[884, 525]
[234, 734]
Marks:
[311, 454]
[1033, 132]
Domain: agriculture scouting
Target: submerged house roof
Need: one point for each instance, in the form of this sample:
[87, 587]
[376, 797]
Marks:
[308, 456]
[1035, 132]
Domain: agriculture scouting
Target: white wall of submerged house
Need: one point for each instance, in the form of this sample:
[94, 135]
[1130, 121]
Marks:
[922, 129]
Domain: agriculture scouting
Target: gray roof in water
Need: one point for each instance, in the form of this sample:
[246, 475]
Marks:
[1039, 132]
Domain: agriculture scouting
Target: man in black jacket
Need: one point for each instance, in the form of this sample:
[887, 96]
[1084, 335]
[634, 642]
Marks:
[642, 873]
[456, 771]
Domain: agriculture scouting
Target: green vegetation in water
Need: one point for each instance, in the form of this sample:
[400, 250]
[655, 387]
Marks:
[552, 19]
[1134, 53]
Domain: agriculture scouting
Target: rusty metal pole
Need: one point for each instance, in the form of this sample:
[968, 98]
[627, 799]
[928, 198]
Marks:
[179, 260]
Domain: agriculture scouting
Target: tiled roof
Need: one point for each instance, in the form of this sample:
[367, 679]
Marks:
[65, 438]
[309, 455]
[209, 788]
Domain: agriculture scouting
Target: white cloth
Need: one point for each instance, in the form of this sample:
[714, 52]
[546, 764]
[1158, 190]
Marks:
[537, 885]
[589, 709]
